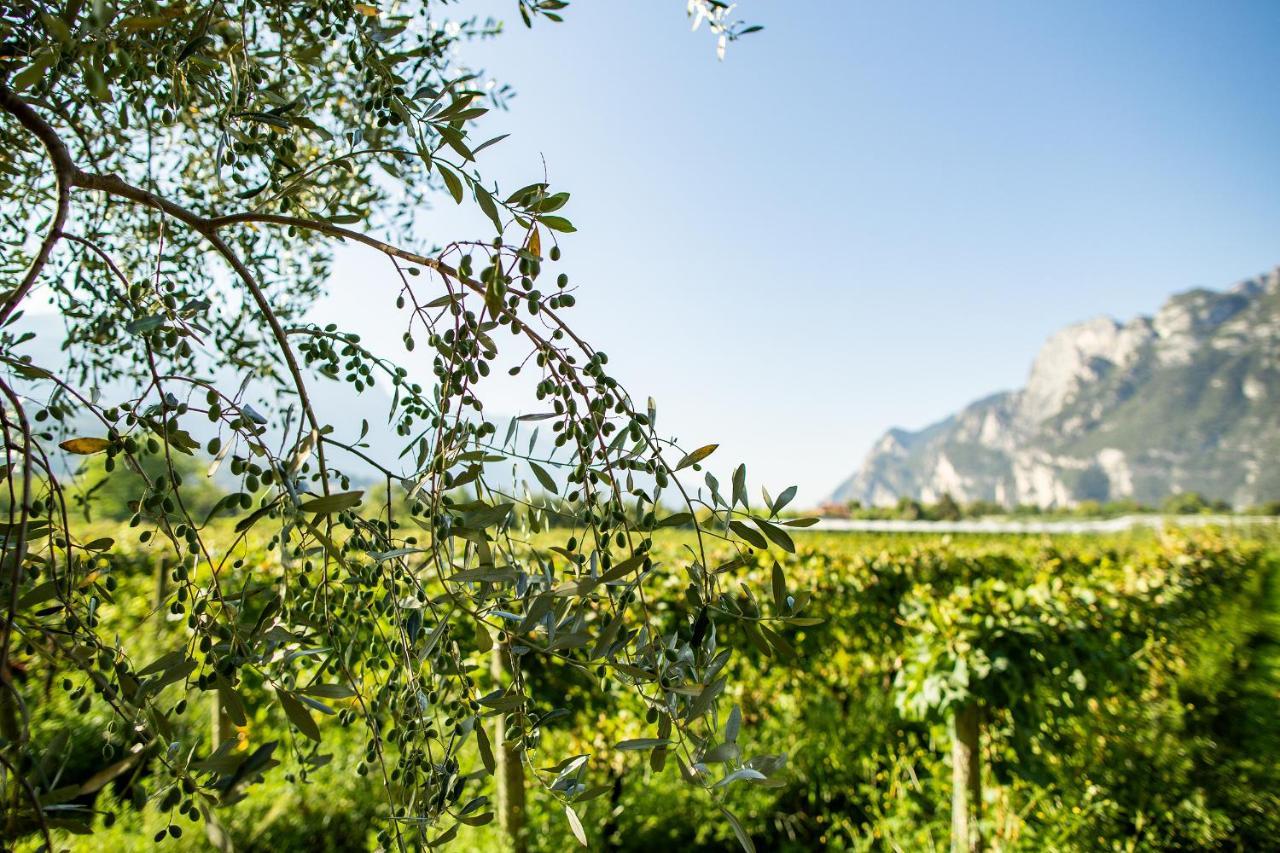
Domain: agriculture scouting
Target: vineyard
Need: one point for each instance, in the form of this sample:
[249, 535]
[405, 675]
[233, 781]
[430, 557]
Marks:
[885, 693]
[325, 526]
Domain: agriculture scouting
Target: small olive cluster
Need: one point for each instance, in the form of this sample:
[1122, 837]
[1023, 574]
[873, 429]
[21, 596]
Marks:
[340, 356]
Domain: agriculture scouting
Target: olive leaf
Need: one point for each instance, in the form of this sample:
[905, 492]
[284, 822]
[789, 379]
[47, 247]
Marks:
[85, 446]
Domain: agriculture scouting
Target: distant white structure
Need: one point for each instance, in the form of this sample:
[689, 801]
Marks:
[998, 525]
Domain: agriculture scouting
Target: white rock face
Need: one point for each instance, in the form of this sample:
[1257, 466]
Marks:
[1077, 355]
[1037, 480]
[995, 432]
[1113, 463]
[945, 480]
[1253, 388]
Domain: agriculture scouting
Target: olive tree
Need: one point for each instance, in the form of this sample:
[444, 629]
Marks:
[174, 179]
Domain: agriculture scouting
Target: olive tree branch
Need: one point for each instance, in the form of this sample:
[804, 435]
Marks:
[64, 171]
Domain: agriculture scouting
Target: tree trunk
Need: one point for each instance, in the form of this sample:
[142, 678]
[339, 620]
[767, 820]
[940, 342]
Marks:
[220, 727]
[510, 771]
[609, 835]
[160, 591]
[10, 725]
[966, 781]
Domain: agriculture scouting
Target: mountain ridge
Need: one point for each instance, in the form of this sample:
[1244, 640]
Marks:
[1185, 399]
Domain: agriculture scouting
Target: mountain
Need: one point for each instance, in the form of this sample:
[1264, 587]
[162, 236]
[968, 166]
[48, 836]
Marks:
[1187, 400]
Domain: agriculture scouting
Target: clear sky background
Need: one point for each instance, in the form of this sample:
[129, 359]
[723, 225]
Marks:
[871, 214]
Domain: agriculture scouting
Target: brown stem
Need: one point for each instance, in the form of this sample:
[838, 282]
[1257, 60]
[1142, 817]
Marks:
[20, 549]
[63, 171]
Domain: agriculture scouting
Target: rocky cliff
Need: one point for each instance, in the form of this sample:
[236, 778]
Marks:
[1186, 400]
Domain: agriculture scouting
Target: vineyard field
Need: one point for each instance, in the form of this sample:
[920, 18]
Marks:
[1116, 692]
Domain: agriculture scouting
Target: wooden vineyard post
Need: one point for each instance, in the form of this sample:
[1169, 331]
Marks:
[966, 780]
[509, 773]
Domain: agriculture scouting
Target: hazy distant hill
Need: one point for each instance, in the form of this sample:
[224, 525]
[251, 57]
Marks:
[1187, 400]
[336, 404]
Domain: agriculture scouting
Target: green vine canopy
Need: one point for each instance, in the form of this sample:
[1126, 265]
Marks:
[175, 177]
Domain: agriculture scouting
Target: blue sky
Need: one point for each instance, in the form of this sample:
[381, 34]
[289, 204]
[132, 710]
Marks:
[871, 214]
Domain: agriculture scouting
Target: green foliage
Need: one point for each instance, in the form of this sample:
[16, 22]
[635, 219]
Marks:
[1107, 668]
[1191, 503]
[174, 179]
[1129, 684]
[947, 509]
[97, 493]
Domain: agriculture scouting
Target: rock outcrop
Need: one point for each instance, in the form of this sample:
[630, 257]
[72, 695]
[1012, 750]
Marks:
[1187, 400]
